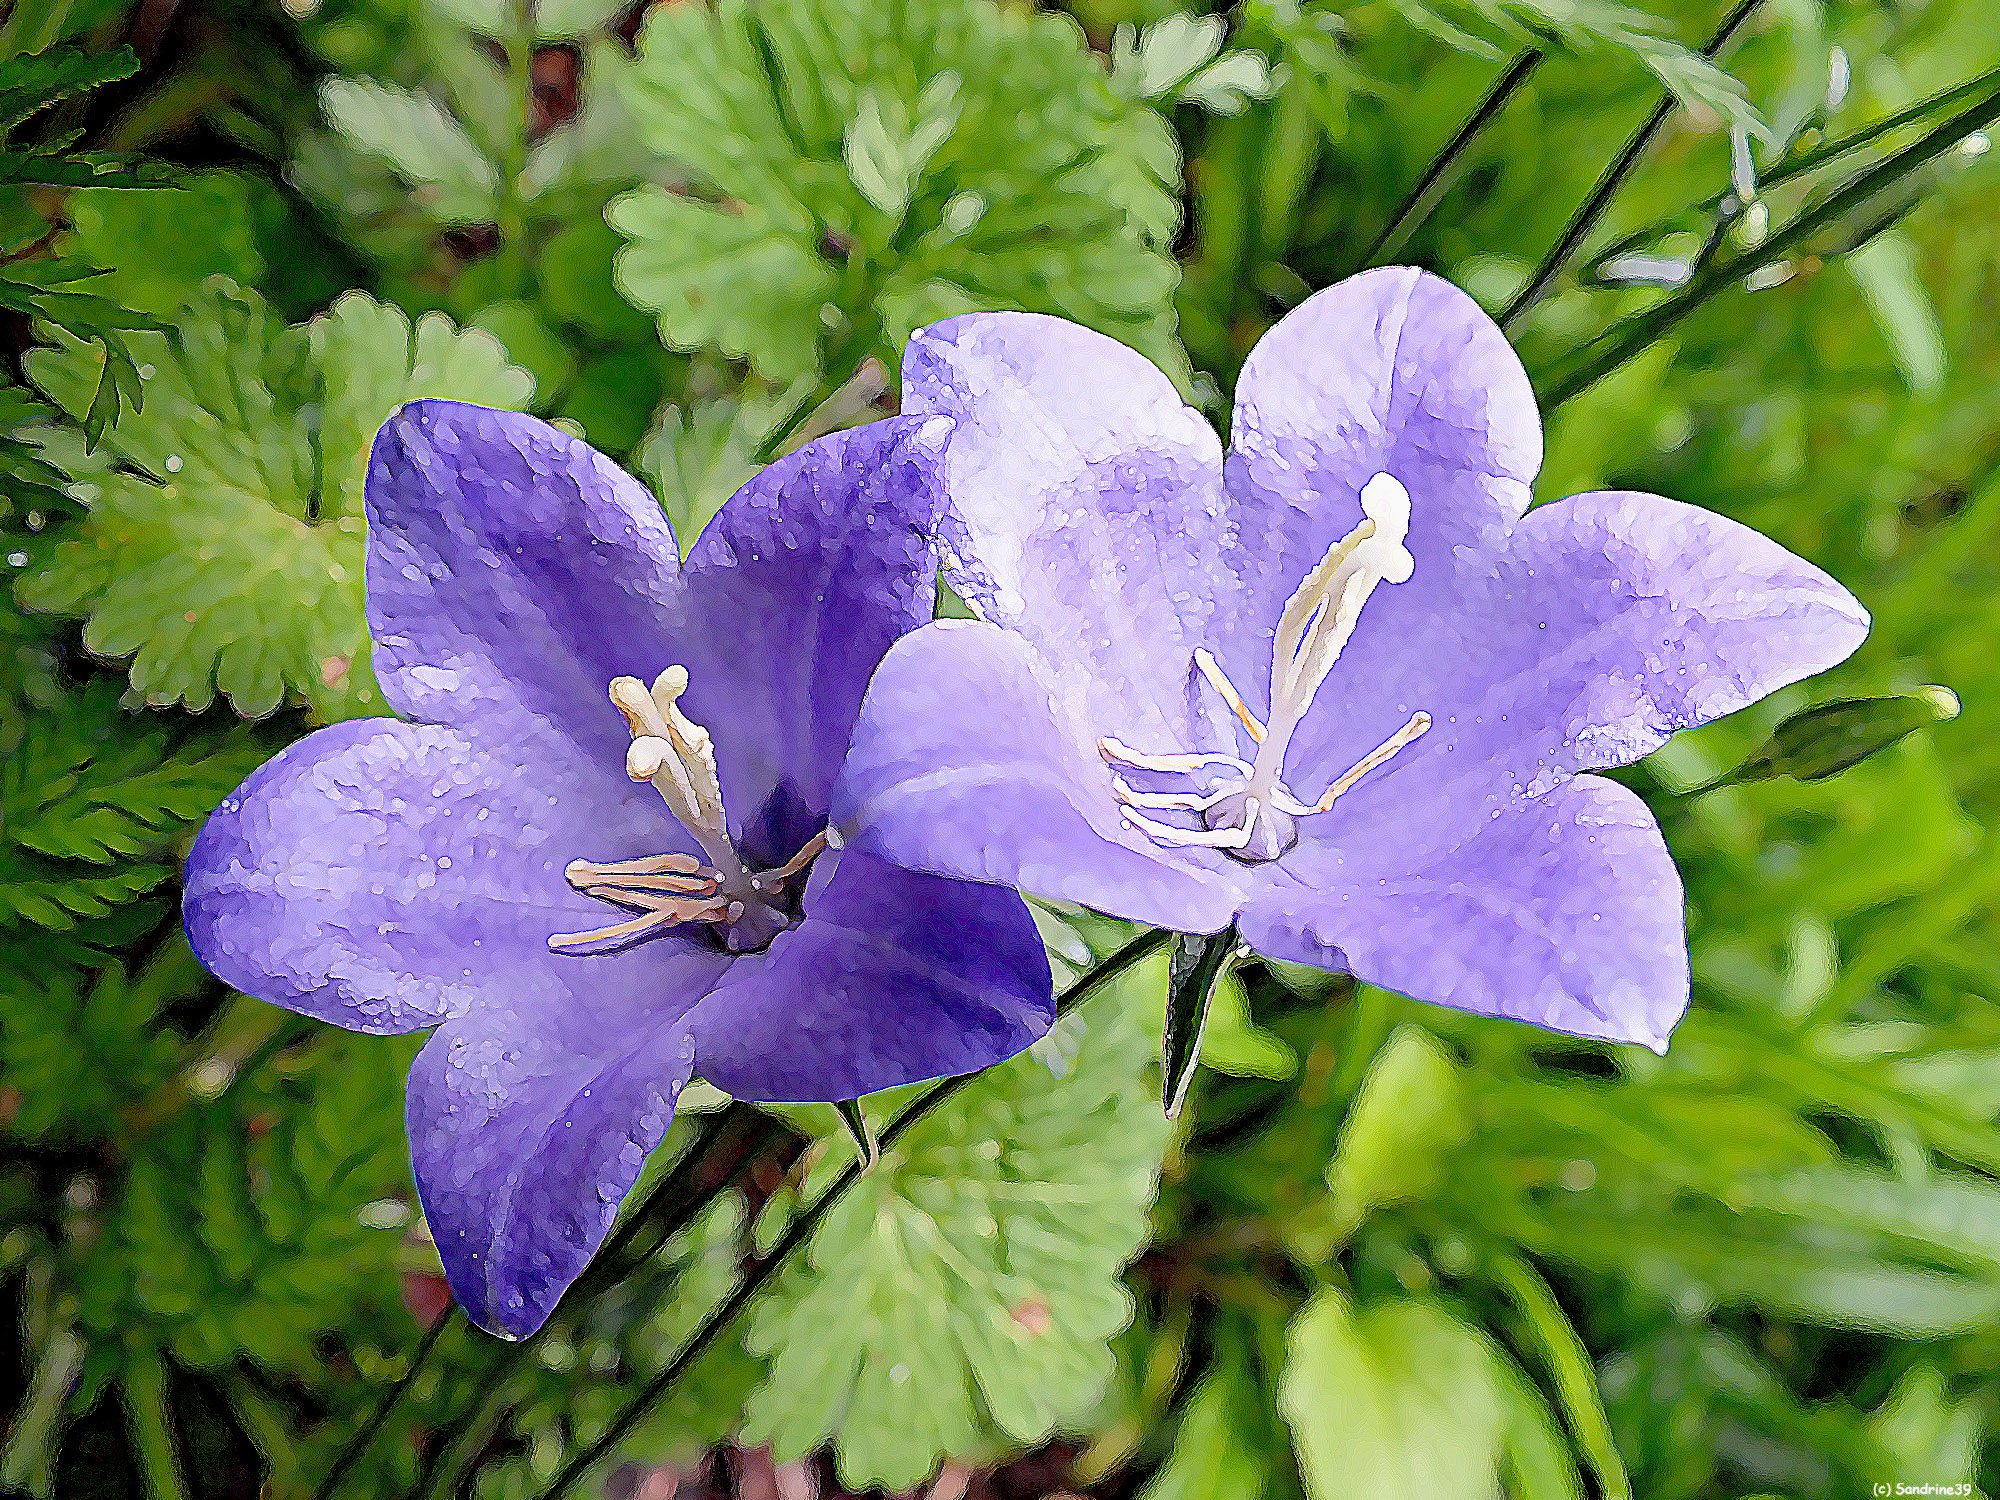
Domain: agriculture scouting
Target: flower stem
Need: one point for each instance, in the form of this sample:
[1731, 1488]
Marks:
[1621, 342]
[1622, 166]
[667, 1194]
[1442, 172]
[386, 1403]
[681, 1191]
[801, 1229]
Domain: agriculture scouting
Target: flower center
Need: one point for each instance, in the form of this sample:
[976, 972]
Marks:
[1246, 808]
[745, 908]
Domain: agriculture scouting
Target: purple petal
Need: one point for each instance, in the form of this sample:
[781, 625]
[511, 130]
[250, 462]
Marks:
[1392, 371]
[788, 601]
[385, 876]
[1606, 624]
[969, 760]
[1565, 911]
[891, 978]
[1085, 512]
[529, 1126]
[513, 571]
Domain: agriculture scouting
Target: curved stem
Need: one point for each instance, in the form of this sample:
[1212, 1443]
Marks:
[1438, 176]
[387, 1403]
[665, 1191]
[1616, 345]
[801, 1229]
[680, 1192]
[1579, 227]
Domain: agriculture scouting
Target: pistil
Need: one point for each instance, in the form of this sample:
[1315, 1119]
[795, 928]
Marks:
[1249, 810]
[676, 756]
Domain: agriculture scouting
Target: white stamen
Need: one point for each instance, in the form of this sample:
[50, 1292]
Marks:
[1117, 753]
[1418, 726]
[771, 879]
[1233, 837]
[580, 870]
[1313, 631]
[677, 756]
[1219, 680]
[667, 914]
[1131, 796]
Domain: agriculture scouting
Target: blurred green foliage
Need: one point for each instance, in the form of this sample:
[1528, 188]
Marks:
[1384, 1249]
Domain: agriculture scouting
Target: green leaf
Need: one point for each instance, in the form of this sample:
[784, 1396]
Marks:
[411, 133]
[37, 81]
[80, 1047]
[701, 455]
[95, 799]
[743, 278]
[225, 553]
[1885, 268]
[1590, 25]
[1215, 1453]
[1235, 1044]
[255, 1227]
[1538, 1464]
[1400, 1398]
[1411, 1112]
[1180, 58]
[963, 1294]
[210, 219]
[857, 171]
[1925, 1433]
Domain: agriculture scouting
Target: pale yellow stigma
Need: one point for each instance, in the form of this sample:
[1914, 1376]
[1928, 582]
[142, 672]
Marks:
[676, 756]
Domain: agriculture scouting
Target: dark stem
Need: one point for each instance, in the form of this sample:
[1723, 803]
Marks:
[681, 1193]
[801, 1228]
[387, 1403]
[1441, 173]
[1807, 162]
[1621, 342]
[664, 1191]
[1622, 166]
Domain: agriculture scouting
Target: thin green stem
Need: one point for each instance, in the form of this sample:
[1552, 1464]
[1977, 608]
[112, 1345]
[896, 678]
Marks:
[1823, 154]
[1442, 172]
[385, 1404]
[678, 1195]
[801, 1229]
[1622, 166]
[1570, 1369]
[512, 210]
[667, 1191]
[1620, 343]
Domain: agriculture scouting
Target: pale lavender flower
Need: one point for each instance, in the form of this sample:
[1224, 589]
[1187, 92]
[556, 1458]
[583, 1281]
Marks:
[592, 888]
[1334, 687]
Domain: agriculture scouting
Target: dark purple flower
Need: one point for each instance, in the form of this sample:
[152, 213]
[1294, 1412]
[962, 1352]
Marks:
[1334, 687]
[560, 869]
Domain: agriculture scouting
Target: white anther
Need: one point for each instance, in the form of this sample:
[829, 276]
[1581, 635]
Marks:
[1234, 837]
[647, 757]
[677, 756]
[1131, 796]
[1117, 753]
[1219, 680]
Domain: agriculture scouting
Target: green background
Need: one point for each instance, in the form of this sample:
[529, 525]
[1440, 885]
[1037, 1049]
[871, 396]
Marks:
[1386, 1250]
